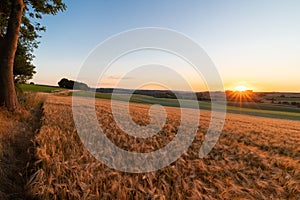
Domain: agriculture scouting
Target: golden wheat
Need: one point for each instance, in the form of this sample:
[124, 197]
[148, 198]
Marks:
[255, 158]
[16, 151]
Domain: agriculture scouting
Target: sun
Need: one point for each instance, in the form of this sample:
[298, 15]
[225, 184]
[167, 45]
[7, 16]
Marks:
[241, 88]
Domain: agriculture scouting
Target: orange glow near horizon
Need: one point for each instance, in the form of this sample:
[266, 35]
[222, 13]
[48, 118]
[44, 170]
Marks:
[242, 95]
[241, 88]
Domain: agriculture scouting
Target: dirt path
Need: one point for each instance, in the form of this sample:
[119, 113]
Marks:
[17, 152]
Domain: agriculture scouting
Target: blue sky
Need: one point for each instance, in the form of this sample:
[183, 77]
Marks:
[254, 43]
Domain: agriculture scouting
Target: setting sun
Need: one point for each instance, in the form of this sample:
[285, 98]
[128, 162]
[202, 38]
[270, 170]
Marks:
[241, 88]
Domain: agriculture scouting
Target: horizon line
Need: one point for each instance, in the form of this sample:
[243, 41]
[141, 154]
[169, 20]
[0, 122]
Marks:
[179, 90]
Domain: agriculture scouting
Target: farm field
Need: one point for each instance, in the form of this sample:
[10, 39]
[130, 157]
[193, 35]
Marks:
[39, 88]
[255, 158]
[254, 109]
[144, 100]
[17, 154]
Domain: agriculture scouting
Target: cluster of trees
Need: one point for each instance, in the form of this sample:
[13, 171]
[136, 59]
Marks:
[293, 103]
[19, 29]
[69, 84]
[23, 66]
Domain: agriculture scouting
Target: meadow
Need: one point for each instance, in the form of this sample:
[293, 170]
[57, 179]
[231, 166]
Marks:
[255, 158]
[254, 109]
[39, 88]
[248, 108]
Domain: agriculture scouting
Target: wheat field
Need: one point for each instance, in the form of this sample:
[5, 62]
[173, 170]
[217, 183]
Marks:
[17, 131]
[255, 158]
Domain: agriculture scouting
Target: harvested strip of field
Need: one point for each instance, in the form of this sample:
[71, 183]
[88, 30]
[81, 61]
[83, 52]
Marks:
[255, 158]
[16, 148]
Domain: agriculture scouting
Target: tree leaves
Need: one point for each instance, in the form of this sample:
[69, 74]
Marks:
[29, 32]
[23, 67]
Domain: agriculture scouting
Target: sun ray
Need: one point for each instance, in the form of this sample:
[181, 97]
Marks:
[242, 97]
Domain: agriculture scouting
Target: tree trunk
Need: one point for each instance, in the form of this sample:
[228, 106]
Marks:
[8, 47]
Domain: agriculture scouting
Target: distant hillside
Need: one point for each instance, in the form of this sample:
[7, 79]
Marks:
[204, 96]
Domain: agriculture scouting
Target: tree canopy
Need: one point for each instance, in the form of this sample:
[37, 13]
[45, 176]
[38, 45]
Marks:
[69, 84]
[23, 66]
[28, 36]
[19, 27]
[33, 11]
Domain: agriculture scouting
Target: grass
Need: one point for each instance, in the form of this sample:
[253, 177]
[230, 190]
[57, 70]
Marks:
[255, 158]
[16, 148]
[262, 110]
[143, 99]
[91, 94]
[266, 106]
[265, 113]
[39, 88]
[297, 99]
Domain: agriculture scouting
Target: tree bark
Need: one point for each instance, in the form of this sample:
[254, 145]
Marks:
[8, 47]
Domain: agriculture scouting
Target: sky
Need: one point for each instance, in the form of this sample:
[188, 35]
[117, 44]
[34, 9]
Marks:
[251, 43]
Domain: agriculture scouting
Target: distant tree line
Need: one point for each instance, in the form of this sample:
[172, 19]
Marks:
[69, 84]
[200, 96]
[293, 103]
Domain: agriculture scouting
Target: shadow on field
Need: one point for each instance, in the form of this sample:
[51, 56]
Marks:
[17, 154]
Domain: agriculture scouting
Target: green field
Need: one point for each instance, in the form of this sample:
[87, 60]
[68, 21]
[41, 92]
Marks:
[255, 109]
[38, 88]
[265, 106]
[263, 110]
[287, 99]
